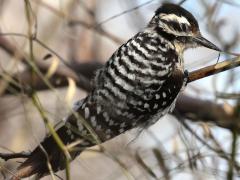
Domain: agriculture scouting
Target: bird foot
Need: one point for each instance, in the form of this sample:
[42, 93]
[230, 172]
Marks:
[186, 77]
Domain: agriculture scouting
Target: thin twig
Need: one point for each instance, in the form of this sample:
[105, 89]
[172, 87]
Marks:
[144, 165]
[54, 134]
[124, 12]
[231, 162]
[219, 151]
[161, 161]
[181, 2]
[74, 21]
[7, 156]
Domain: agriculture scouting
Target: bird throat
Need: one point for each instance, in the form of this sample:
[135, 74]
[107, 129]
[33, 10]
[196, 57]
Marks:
[179, 49]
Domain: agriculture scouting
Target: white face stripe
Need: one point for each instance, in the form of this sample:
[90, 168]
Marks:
[174, 17]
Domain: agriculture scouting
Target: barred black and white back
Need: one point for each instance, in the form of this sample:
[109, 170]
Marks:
[136, 87]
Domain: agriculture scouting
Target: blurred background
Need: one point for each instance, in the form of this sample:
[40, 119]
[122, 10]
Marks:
[53, 48]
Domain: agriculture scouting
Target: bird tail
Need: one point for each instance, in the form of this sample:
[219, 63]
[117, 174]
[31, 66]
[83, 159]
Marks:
[48, 152]
[43, 155]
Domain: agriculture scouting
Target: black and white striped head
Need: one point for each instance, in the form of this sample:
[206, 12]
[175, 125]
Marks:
[180, 26]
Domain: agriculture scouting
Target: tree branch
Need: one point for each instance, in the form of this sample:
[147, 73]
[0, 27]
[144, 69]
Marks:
[214, 69]
[195, 109]
[7, 156]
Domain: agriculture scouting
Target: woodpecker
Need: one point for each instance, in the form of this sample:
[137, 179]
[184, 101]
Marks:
[138, 85]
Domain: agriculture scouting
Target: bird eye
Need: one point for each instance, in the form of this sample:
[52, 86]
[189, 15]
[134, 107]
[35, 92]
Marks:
[184, 27]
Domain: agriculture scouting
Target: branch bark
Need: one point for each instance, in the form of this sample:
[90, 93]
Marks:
[198, 110]
[214, 69]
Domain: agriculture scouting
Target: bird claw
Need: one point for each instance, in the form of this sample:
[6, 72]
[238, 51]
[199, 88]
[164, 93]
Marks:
[186, 77]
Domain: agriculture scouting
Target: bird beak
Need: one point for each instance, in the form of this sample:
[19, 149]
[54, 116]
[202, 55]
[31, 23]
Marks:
[206, 43]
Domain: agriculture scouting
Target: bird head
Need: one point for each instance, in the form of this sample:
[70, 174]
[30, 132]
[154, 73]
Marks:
[180, 25]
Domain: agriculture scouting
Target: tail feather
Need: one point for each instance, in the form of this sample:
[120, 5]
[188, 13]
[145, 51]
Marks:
[100, 120]
[38, 159]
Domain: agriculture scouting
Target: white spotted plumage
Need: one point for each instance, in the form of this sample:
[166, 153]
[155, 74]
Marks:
[138, 85]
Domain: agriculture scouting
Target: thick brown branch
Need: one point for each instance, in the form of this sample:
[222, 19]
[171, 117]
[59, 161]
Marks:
[196, 109]
[214, 69]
